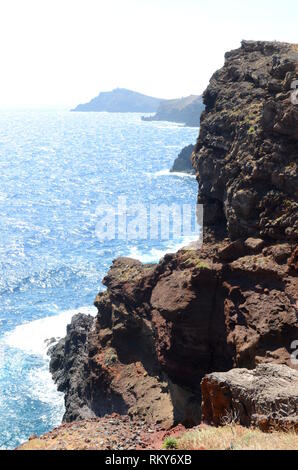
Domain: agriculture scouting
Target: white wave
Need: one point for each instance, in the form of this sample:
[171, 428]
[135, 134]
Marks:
[167, 172]
[43, 388]
[31, 337]
[165, 124]
[154, 255]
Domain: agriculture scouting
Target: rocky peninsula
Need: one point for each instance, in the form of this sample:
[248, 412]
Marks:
[186, 111]
[121, 100]
[200, 336]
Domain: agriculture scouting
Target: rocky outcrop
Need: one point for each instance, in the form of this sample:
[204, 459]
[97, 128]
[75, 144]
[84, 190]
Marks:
[121, 100]
[266, 397]
[161, 328]
[67, 366]
[246, 154]
[183, 162]
[183, 110]
[232, 304]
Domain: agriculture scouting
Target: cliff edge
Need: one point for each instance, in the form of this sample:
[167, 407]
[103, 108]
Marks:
[246, 154]
[161, 328]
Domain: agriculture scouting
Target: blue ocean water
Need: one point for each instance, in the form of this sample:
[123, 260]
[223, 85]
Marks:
[56, 168]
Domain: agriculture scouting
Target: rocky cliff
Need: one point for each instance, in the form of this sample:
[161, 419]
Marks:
[161, 328]
[246, 154]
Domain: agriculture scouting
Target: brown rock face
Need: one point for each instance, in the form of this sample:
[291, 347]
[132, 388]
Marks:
[247, 151]
[266, 397]
[161, 328]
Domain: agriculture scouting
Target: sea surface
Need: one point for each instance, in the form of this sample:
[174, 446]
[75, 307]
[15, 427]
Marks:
[56, 169]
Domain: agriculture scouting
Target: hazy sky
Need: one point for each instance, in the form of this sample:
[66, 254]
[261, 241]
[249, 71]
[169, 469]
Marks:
[63, 52]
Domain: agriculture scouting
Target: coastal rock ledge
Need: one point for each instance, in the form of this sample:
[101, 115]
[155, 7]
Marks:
[266, 397]
[232, 304]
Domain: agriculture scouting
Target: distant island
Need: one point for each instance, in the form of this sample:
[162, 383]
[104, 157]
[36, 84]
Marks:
[121, 100]
[184, 110]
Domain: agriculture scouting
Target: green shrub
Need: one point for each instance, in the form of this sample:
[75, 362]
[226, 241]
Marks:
[170, 443]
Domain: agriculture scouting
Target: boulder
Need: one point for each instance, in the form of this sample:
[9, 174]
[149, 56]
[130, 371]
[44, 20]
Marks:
[266, 397]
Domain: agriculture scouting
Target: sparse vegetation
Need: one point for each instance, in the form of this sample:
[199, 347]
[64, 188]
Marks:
[236, 437]
[85, 435]
[191, 259]
[111, 357]
[202, 265]
[170, 443]
[252, 117]
[251, 130]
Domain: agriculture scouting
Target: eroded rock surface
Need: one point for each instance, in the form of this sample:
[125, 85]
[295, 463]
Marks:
[247, 151]
[161, 328]
[266, 397]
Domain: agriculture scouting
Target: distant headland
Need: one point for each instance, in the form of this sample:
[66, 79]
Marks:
[186, 111]
[121, 100]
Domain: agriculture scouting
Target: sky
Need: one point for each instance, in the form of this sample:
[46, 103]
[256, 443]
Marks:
[63, 52]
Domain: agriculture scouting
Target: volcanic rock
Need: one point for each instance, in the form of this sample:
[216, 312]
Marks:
[161, 328]
[231, 304]
[266, 397]
[183, 162]
[247, 151]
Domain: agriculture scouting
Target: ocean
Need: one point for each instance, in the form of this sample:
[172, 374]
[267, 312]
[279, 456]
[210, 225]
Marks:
[56, 169]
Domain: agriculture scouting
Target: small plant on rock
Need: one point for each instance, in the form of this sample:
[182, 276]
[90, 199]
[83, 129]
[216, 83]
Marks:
[170, 443]
[111, 358]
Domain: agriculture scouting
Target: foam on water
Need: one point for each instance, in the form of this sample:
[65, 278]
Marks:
[167, 172]
[166, 124]
[154, 255]
[43, 387]
[32, 337]
[20, 347]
